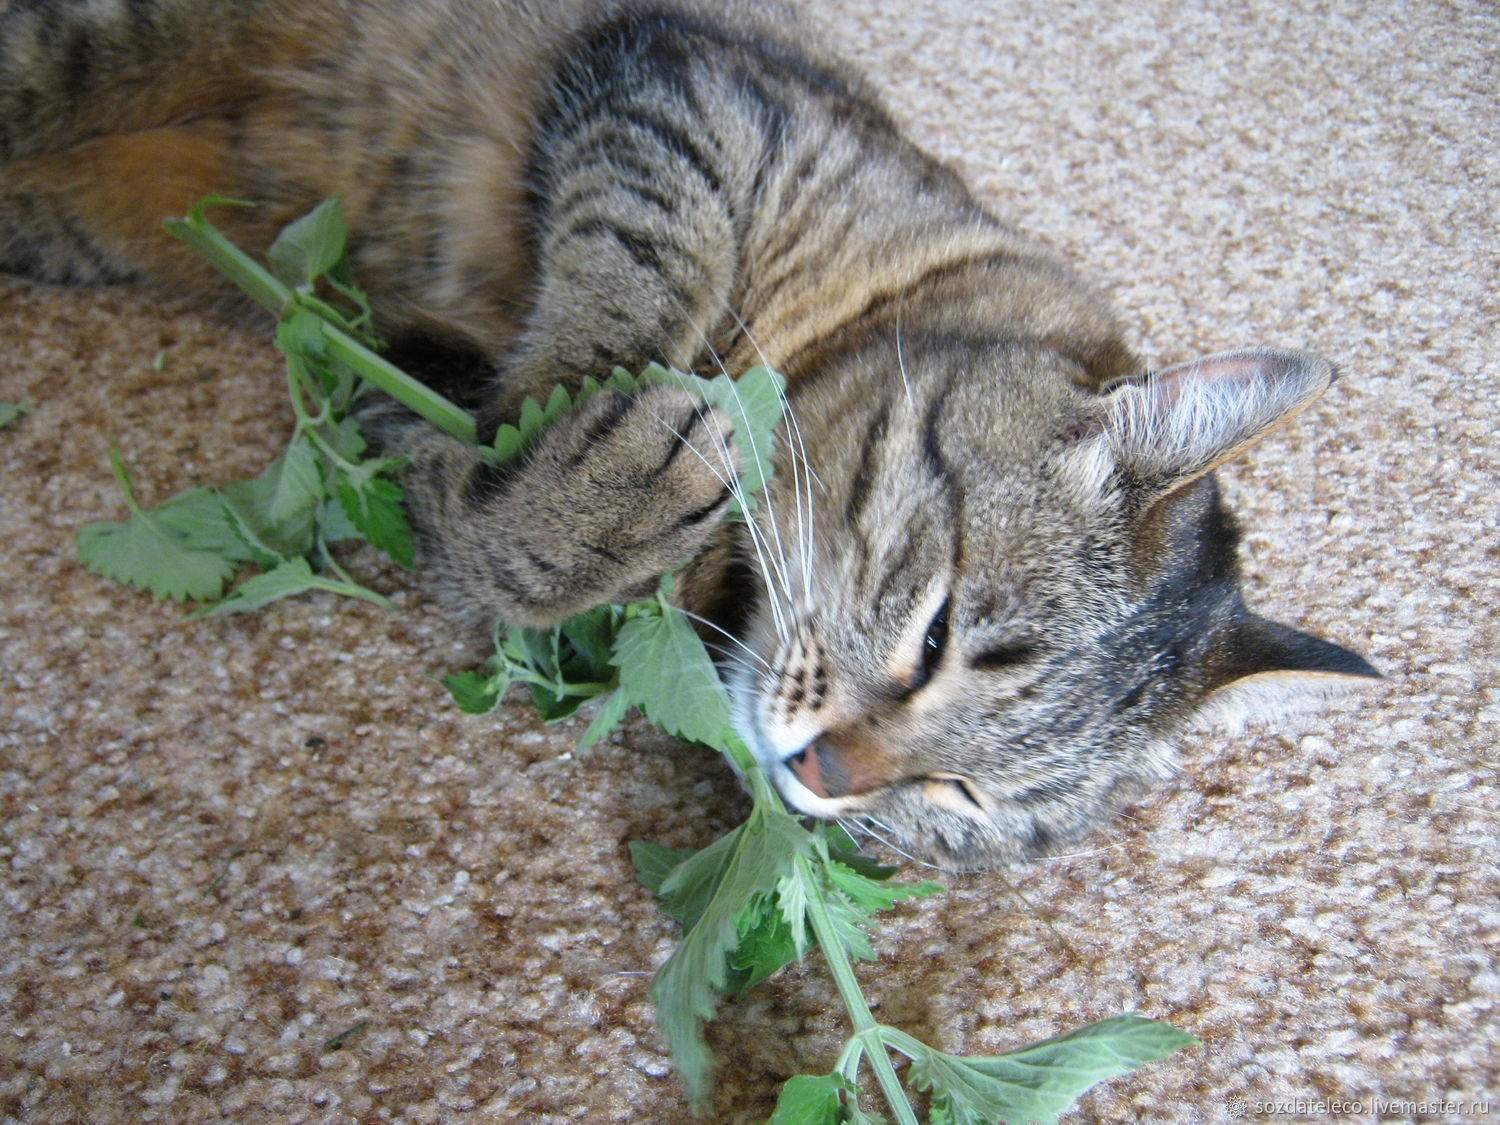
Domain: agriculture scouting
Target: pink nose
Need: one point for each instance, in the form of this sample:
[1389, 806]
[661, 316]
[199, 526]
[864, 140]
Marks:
[807, 767]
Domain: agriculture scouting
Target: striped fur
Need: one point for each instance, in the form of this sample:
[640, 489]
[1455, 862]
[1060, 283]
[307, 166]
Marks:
[992, 578]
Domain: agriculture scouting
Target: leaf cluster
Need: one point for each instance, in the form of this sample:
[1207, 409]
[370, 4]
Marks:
[321, 489]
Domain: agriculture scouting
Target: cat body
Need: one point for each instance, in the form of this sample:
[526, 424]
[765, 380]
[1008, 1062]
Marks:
[992, 576]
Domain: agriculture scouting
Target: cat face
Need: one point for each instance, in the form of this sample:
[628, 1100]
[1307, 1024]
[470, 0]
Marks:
[986, 620]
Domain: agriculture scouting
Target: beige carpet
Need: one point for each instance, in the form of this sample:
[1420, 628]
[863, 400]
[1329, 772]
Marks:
[226, 843]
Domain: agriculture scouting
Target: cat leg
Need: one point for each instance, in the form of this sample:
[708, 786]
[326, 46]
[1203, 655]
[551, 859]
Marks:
[637, 191]
[609, 498]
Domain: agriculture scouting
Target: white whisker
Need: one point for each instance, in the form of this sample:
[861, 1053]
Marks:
[732, 484]
[805, 537]
[720, 629]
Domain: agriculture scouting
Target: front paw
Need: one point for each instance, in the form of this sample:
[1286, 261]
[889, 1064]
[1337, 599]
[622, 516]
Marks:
[645, 476]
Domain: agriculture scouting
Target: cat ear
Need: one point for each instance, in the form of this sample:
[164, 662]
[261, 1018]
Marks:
[1172, 426]
[1262, 669]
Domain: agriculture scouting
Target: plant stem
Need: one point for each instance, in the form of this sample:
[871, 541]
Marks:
[451, 419]
[865, 1027]
[268, 291]
[122, 479]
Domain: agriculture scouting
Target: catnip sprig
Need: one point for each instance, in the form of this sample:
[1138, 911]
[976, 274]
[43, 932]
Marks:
[750, 903]
[321, 489]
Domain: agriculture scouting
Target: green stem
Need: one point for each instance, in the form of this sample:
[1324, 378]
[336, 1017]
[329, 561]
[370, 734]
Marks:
[524, 675]
[122, 479]
[268, 291]
[451, 419]
[865, 1028]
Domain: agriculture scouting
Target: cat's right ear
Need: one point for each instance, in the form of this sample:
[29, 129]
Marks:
[1167, 428]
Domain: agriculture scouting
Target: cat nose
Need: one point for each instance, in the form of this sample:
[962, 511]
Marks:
[841, 765]
[807, 767]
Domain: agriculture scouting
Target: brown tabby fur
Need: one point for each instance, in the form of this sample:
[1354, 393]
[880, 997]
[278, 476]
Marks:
[993, 577]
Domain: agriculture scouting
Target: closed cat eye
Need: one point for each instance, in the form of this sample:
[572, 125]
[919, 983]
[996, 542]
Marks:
[1007, 655]
[955, 792]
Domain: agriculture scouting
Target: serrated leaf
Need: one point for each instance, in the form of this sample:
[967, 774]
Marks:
[591, 635]
[532, 421]
[309, 247]
[666, 672]
[611, 711]
[869, 894]
[334, 523]
[347, 440]
[142, 553]
[507, 445]
[685, 989]
[1038, 1082]
[812, 1099]
[197, 516]
[690, 886]
[375, 508]
[289, 578]
[474, 693]
[765, 943]
[654, 862]
[841, 846]
[274, 511]
[558, 404]
[586, 390]
[791, 900]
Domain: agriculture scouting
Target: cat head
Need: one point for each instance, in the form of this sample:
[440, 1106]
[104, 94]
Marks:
[998, 593]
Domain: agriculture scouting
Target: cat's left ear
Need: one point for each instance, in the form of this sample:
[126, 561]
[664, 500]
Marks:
[1260, 669]
[1172, 426]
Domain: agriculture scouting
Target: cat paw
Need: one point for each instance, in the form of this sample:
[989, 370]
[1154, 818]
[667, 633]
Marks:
[644, 477]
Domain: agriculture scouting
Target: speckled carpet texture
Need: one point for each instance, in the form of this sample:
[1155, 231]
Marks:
[259, 868]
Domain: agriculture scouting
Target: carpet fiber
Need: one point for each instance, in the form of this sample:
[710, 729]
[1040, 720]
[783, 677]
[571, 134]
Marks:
[260, 868]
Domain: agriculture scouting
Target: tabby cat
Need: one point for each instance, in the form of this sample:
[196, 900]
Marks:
[993, 576]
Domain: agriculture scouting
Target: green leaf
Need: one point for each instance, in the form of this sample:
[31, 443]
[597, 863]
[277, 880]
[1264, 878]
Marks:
[10, 411]
[283, 581]
[1039, 1082]
[334, 524]
[309, 247]
[374, 507]
[791, 900]
[591, 635]
[654, 862]
[507, 445]
[475, 694]
[300, 338]
[558, 404]
[274, 511]
[347, 441]
[765, 943]
[758, 853]
[532, 421]
[666, 672]
[870, 895]
[812, 1099]
[754, 405]
[142, 553]
[611, 712]
[198, 517]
